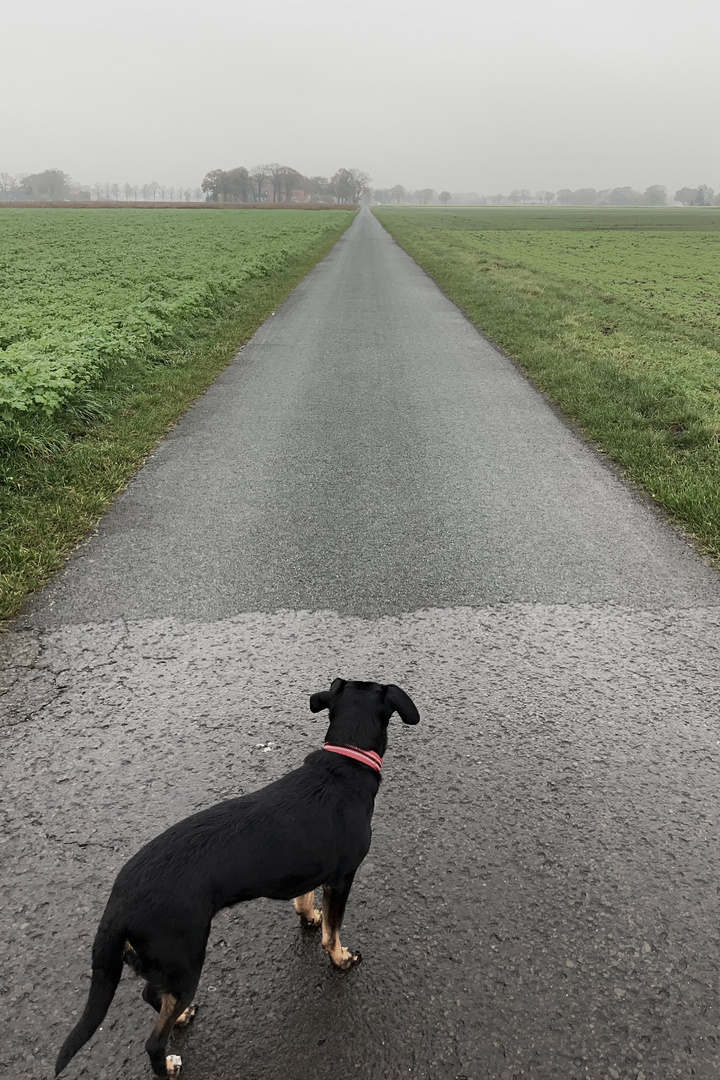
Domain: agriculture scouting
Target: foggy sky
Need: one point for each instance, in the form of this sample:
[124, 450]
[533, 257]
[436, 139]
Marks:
[450, 94]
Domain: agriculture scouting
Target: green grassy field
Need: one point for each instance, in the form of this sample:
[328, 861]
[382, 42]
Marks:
[615, 314]
[111, 324]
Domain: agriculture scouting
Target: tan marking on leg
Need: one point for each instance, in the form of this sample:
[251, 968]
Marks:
[341, 958]
[165, 1021]
[328, 936]
[168, 1005]
[186, 1018]
[305, 907]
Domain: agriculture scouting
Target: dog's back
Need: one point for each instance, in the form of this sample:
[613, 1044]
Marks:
[278, 842]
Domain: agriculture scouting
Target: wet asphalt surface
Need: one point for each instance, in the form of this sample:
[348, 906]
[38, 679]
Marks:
[371, 490]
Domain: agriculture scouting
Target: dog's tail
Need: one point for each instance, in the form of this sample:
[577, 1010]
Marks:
[107, 964]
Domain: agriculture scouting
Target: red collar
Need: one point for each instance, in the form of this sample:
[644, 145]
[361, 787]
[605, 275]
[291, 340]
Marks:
[367, 757]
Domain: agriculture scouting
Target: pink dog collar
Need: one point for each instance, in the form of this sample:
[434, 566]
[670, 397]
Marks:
[367, 757]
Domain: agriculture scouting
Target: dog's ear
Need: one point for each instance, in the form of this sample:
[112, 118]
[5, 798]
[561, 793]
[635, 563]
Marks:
[322, 700]
[402, 704]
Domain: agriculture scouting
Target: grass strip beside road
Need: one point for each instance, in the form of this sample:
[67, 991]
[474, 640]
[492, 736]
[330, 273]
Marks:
[614, 314]
[50, 499]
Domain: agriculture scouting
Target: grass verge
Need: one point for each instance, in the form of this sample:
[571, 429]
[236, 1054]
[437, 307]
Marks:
[51, 497]
[616, 317]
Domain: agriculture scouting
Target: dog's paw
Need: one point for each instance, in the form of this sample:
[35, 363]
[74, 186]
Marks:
[186, 1018]
[173, 1064]
[349, 960]
[313, 921]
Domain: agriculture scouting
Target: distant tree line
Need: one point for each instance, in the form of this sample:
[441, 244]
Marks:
[264, 183]
[699, 196]
[281, 183]
[655, 195]
[53, 185]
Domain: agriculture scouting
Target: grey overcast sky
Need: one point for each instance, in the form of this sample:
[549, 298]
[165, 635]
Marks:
[469, 96]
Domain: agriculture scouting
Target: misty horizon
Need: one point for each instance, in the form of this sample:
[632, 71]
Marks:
[274, 184]
[471, 97]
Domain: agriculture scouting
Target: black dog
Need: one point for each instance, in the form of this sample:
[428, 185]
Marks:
[310, 828]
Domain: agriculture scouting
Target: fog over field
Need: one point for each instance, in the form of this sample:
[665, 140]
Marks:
[460, 95]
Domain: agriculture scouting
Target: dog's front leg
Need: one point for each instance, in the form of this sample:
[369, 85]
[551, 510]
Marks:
[334, 901]
[305, 907]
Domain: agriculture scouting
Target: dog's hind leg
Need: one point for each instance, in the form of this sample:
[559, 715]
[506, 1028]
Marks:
[171, 1009]
[151, 995]
[334, 901]
[305, 907]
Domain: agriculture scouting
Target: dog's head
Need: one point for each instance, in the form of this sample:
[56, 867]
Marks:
[360, 712]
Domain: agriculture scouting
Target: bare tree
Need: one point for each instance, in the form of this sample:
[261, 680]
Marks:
[275, 177]
[350, 185]
[397, 193]
[260, 176]
[8, 185]
[285, 181]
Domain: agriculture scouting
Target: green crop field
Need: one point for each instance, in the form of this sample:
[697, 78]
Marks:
[111, 323]
[83, 293]
[615, 314]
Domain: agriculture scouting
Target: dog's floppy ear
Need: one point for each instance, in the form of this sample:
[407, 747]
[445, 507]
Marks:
[322, 699]
[402, 704]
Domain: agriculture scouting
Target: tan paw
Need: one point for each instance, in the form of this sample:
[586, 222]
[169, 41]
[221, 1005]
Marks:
[186, 1018]
[314, 919]
[173, 1063]
[347, 960]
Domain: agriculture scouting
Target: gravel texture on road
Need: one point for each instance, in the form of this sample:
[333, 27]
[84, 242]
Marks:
[541, 896]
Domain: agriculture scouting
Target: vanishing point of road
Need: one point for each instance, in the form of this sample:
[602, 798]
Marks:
[372, 490]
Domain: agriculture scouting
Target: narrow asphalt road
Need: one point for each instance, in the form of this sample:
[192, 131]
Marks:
[372, 490]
